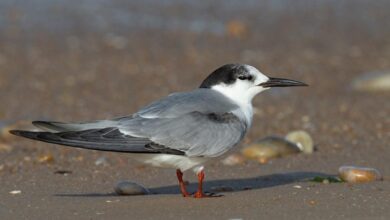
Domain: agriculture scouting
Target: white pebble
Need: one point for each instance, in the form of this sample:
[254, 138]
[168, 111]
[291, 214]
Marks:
[15, 192]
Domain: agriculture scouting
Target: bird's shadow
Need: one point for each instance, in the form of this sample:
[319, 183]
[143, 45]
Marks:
[235, 185]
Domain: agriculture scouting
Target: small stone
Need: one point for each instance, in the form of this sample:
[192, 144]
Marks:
[102, 161]
[130, 188]
[48, 158]
[302, 139]
[270, 147]
[112, 201]
[297, 187]
[352, 174]
[15, 192]
[63, 172]
[233, 159]
[222, 189]
[372, 82]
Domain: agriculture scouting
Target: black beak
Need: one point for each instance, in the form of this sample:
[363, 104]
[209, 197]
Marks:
[279, 82]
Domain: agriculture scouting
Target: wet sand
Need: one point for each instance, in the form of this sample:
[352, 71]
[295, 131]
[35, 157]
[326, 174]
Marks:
[79, 71]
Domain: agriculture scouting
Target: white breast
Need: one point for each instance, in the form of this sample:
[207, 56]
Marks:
[171, 161]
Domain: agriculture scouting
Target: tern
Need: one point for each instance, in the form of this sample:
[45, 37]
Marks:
[181, 131]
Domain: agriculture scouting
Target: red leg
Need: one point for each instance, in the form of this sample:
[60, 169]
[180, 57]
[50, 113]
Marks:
[199, 193]
[183, 190]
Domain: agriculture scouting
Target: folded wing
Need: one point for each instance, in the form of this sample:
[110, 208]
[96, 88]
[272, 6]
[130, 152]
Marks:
[108, 139]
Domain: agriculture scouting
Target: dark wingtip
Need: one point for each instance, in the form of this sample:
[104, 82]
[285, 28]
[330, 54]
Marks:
[15, 132]
[20, 133]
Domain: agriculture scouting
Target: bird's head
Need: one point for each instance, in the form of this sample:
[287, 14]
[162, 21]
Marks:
[242, 82]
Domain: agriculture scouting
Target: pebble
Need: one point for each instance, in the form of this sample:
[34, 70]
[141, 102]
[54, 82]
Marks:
[302, 139]
[15, 192]
[101, 161]
[48, 158]
[63, 172]
[233, 159]
[270, 147]
[353, 174]
[373, 81]
[130, 188]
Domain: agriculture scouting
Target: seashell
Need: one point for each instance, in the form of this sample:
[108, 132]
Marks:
[352, 174]
[302, 139]
[130, 188]
[233, 159]
[270, 147]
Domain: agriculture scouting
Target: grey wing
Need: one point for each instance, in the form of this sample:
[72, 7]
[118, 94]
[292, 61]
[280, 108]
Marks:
[195, 133]
[200, 123]
[176, 104]
[197, 123]
[172, 106]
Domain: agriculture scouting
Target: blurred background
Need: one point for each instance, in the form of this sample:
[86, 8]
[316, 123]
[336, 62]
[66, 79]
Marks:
[69, 60]
[83, 60]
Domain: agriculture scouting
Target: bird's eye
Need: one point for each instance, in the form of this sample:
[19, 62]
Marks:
[246, 77]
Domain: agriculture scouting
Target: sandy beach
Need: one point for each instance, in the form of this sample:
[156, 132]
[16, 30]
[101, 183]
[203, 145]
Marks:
[102, 60]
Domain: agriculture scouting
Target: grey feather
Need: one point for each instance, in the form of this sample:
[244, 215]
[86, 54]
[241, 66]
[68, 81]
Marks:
[176, 104]
[195, 133]
[200, 123]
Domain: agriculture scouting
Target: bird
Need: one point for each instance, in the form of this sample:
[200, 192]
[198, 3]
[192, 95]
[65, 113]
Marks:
[182, 131]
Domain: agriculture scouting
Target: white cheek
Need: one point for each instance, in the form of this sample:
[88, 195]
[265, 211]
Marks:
[241, 92]
[253, 91]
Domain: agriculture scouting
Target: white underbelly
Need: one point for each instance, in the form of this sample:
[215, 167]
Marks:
[171, 161]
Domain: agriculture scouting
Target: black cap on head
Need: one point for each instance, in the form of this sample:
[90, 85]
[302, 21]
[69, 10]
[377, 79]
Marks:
[226, 74]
